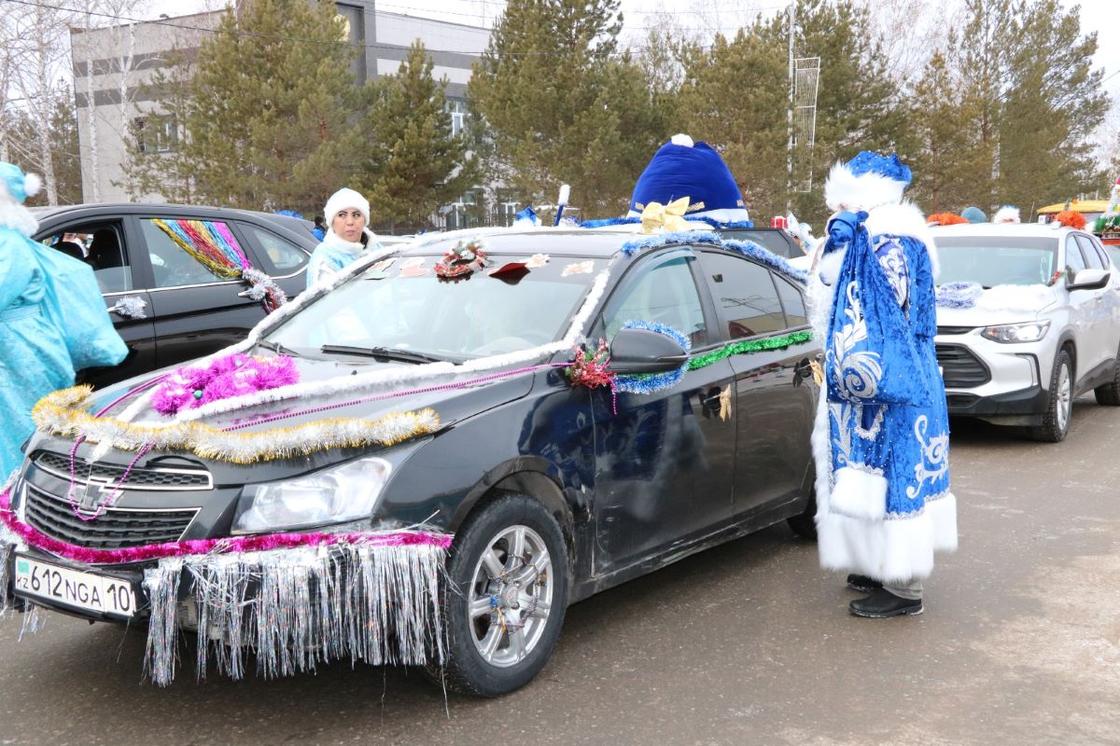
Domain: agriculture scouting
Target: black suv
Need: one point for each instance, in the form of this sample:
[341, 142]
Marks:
[188, 311]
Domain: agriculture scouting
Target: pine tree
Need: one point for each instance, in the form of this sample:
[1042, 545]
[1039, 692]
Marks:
[734, 98]
[411, 163]
[951, 162]
[1051, 85]
[268, 121]
[562, 106]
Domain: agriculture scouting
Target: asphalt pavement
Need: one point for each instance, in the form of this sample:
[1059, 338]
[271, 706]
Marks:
[746, 643]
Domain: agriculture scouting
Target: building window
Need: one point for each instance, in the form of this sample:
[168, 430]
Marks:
[457, 108]
[156, 133]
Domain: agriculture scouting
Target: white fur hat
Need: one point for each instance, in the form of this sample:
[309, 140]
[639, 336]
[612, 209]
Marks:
[343, 199]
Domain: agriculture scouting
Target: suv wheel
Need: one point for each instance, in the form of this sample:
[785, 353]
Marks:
[1055, 421]
[507, 597]
[1109, 394]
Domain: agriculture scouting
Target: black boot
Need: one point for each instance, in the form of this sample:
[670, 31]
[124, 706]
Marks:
[863, 584]
[882, 604]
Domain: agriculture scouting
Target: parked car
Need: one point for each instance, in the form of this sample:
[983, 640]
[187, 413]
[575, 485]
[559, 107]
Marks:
[528, 472]
[188, 310]
[1020, 353]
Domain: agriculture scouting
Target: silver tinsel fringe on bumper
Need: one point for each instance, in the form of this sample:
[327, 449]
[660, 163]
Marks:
[296, 608]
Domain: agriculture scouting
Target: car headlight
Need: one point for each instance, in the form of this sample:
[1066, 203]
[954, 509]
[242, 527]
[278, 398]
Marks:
[344, 493]
[1030, 331]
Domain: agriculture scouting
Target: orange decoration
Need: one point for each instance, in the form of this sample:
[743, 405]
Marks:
[1070, 219]
[945, 218]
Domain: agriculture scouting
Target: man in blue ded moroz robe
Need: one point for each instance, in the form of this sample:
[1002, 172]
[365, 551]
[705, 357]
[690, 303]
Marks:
[881, 441]
[52, 318]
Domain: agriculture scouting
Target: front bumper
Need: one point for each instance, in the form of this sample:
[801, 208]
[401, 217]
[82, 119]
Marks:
[1026, 403]
[1003, 383]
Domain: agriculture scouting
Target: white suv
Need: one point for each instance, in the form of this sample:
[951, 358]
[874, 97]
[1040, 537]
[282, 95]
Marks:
[1028, 319]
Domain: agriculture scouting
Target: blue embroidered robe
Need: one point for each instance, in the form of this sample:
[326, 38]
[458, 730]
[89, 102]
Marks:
[888, 505]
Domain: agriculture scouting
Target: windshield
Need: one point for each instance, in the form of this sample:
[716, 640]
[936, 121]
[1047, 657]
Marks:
[400, 305]
[997, 260]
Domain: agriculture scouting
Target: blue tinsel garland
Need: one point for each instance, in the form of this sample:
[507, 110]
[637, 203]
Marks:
[958, 294]
[648, 384]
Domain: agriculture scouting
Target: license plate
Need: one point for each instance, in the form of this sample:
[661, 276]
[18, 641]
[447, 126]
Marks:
[82, 590]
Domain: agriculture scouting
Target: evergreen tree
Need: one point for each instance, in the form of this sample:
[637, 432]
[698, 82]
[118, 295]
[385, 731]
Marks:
[561, 105]
[734, 98]
[1051, 85]
[951, 162]
[268, 122]
[411, 163]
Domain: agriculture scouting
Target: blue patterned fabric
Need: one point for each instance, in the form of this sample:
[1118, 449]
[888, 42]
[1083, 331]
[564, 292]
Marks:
[35, 360]
[886, 398]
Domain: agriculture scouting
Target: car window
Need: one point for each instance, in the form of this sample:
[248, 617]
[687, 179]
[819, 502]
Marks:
[100, 245]
[793, 302]
[665, 293]
[745, 293]
[1074, 260]
[774, 240]
[1092, 261]
[191, 252]
[277, 255]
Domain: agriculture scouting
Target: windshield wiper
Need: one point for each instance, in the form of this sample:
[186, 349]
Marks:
[278, 348]
[386, 353]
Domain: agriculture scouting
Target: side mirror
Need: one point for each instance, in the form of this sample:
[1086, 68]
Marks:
[1088, 279]
[635, 351]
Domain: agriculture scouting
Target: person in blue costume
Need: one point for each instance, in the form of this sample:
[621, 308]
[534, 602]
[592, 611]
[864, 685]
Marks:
[881, 440]
[52, 318]
[347, 238]
[683, 168]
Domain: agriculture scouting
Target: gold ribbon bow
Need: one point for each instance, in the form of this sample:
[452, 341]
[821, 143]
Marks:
[668, 217]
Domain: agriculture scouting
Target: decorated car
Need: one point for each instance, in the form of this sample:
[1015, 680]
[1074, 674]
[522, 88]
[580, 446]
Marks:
[425, 460]
[1028, 319]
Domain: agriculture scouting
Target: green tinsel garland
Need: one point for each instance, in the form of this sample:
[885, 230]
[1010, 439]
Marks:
[748, 346]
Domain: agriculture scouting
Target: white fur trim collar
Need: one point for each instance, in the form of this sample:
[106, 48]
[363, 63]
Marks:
[18, 218]
[844, 190]
[904, 219]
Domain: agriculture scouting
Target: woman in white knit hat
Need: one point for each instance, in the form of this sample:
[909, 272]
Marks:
[347, 238]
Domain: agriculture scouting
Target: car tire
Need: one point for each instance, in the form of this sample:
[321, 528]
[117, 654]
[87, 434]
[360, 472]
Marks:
[484, 547]
[1108, 395]
[1059, 406]
[804, 524]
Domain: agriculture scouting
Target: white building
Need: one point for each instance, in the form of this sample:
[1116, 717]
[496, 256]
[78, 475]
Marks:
[113, 67]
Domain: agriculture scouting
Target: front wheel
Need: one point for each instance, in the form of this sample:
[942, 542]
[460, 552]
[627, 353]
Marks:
[505, 604]
[1109, 394]
[1059, 409]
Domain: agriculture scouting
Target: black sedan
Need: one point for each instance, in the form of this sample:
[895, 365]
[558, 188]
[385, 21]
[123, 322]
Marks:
[552, 491]
[167, 305]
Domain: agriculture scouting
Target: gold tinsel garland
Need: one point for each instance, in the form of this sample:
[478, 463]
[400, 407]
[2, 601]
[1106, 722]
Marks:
[63, 413]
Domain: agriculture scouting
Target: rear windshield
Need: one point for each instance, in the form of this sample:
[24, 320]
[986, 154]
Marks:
[401, 304]
[774, 241]
[997, 260]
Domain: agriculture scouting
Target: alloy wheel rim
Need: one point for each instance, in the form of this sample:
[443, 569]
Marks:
[1065, 398]
[510, 596]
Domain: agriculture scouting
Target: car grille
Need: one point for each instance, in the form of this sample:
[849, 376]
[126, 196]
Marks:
[960, 368]
[138, 479]
[117, 528]
[954, 329]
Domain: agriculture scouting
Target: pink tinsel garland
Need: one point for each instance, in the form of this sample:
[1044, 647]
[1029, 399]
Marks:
[256, 543]
[224, 378]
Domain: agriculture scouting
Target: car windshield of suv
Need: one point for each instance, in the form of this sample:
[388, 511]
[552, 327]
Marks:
[997, 260]
[399, 308]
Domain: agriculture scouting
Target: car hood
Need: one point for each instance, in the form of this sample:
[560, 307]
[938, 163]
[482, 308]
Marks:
[1005, 304]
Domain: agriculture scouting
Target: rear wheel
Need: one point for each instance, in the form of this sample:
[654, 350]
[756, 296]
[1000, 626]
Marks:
[805, 523]
[1109, 394]
[507, 597]
[1059, 409]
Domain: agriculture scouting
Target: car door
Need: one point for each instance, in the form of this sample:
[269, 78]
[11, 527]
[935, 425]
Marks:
[665, 460]
[1101, 329]
[1110, 299]
[282, 259]
[1082, 306]
[774, 392]
[101, 243]
[196, 303]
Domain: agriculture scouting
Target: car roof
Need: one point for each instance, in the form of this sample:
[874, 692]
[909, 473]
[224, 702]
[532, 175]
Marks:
[560, 241]
[1011, 230]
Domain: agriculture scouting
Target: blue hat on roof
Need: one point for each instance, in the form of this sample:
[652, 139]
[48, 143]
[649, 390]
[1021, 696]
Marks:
[682, 168]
